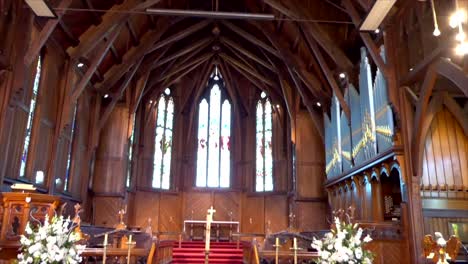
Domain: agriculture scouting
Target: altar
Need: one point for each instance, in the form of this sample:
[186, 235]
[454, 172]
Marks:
[223, 230]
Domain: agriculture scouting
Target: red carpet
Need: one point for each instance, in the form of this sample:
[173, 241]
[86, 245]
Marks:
[193, 252]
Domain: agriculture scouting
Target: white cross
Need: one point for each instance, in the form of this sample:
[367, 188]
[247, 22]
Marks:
[211, 211]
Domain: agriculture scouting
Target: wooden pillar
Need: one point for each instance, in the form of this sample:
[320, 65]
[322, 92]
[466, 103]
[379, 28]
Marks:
[111, 168]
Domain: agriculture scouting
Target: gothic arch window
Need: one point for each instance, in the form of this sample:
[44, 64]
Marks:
[70, 149]
[130, 154]
[29, 124]
[214, 135]
[163, 141]
[264, 153]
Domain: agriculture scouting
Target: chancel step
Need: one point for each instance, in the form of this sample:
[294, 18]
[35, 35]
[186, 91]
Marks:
[194, 252]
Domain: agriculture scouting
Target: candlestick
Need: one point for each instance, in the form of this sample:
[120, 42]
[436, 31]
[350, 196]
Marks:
[129, 248]
[295, 249]
[277, 250]
[104, 255]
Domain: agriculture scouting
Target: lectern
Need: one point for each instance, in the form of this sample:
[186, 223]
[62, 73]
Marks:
[17, 209]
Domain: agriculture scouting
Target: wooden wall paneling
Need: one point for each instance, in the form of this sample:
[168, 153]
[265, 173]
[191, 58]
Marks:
[309, 159]
[151, 209]
[377, 210]
[253, 214]
[454, 161]
[367, 200]
[105, 210]
[276, 213]
[196, 204]
[227, 205]
[170, 213]
[445, 158]
[16, 134]
[311, 216]
[463, 155]
[444, 171]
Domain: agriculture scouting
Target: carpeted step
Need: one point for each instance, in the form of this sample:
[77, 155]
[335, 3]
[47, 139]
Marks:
[220, 253]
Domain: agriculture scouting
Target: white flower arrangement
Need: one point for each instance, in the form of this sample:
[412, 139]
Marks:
[344, 244]
[51, 243]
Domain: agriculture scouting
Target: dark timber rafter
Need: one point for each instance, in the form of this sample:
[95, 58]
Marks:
[292, 60]
[114, 16]
[245, 68]
[247, 53]
[328, 73]
[95, 64]
[186, 70]
[366, 38]
[229, 79]
[251, 38]
[44, 35]
[316, 119]
[313, 29]
[189, 48]
[181, 34]
[116, 96]
[113, 75]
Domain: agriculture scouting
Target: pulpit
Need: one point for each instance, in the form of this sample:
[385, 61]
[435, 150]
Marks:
[17, 209]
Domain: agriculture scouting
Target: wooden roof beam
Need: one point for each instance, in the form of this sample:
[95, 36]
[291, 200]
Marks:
[329, 75]
[292, 60]
[92, 68]
[116, 96]
[366, 38]
[186, 70]
[133, 35]
[245, 68]
[314, 30]
[247, 53]
[365, 4]
[69, 34]
[199, 91]
[231, 88]
[316, 119]
[197, 61]
[189, 48]
[113, 75]
[254, 81]
[181, 34]
[251, 38]
[96, 18]
[110, 19]
[138, 93]
[37, 44]
[115, 54]
[240, 57]
[187, 96]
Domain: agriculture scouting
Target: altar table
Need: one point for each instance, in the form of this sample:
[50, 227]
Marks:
[214, 224]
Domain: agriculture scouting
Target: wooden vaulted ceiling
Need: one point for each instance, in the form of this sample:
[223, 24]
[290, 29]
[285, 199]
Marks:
[308, 44]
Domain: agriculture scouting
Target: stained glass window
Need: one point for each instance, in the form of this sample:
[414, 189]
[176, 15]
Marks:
[32, 109]
[70, 147]
[214, 134]
[130, 154]
[264, 153]
[163, 141]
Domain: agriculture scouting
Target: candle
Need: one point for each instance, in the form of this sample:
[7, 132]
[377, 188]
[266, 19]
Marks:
[129, 247]
[295, 244]
[276, 250]
[104, 254]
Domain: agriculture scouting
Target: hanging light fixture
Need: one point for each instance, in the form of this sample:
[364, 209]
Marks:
[436, 25]
[458, 19]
